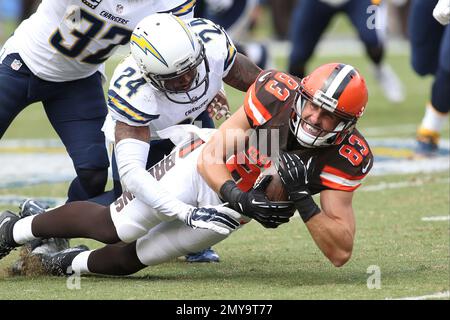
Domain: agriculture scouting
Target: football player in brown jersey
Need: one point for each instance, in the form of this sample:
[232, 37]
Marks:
[319, 152]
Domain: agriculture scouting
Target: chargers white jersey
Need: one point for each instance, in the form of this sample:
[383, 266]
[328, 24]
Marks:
[136, 102]
[168, 237]
[70, 39]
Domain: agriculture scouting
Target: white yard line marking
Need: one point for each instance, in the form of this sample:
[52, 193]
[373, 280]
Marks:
[437, 295]
[22, 146]
[16, 200]
[436, 218]
[389, 130]
[404, 184]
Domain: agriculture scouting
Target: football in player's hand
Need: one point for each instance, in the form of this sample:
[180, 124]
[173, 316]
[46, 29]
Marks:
[275, 190]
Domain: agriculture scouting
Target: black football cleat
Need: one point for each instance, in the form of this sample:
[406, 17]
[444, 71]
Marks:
[7, 243]
[60, 263]
[31, 207]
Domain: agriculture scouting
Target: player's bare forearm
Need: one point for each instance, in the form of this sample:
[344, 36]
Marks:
[242, 74]
[333, 229]
[211, 167]
[211, 163]
[125, 131]
[333, 239]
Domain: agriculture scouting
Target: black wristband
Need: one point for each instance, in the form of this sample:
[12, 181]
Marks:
[307, 208]
[230, 192]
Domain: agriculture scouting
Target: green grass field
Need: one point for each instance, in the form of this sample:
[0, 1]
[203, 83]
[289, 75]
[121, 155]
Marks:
[412, 255]
[285, 264]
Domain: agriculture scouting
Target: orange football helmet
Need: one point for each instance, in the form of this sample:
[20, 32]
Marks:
[338, 88]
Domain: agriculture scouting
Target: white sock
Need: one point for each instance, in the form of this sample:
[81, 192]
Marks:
[22, 230]
[433, 119]
[80, 263]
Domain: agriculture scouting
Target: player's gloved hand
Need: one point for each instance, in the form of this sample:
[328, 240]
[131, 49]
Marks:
[220, 219]
[256, 205]
[294, 175]
[219, 107]
[441, 12]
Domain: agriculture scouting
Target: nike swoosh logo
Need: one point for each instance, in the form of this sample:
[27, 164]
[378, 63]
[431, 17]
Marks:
[4, 221]
[257, 202]
[263, 77]
[308, 165]
[364, 169]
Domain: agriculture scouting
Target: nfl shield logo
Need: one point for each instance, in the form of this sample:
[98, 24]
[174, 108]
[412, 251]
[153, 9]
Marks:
[119, 8]
[92, 3]
[16, 64]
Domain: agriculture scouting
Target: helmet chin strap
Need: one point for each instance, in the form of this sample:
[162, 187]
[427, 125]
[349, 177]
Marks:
[308, 140]
[311, 141]
[192, 93]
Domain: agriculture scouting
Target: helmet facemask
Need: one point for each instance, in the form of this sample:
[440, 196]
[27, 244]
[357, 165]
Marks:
[323, 137]
[196, 89]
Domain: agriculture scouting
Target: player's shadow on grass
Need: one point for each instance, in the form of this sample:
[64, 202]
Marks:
[287, 278]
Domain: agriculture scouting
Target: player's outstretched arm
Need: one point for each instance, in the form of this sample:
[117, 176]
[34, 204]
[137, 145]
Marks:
[132, 148]
[211, 163]
[333, 229]
[333, 226]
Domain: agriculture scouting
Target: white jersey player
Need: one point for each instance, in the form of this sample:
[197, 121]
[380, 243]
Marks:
[174, 72]
[69, 39]
[138, 101]
[162, 84]
[56, 57]
[151, 236]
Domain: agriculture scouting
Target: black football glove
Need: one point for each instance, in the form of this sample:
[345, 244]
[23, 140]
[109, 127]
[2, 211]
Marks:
[256, 205]
[294, 175]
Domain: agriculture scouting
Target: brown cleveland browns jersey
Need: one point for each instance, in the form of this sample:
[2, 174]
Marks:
[268, 106]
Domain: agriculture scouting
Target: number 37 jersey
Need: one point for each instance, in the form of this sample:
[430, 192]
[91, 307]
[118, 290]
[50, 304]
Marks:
[268, 105]
[69, 39]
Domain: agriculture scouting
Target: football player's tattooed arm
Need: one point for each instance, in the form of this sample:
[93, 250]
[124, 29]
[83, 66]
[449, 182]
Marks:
[333, 229]
[242, 74]
[124, 131]
[211, 164]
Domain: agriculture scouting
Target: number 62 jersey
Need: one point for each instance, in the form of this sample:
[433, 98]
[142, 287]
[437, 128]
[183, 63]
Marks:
[134, 101]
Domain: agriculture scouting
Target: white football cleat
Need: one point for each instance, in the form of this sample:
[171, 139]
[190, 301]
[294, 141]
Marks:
[389, 82]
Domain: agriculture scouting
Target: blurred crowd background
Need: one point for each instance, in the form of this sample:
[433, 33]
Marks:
[278, 12]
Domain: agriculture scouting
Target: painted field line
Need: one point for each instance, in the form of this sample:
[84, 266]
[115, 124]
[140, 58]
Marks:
[404, 184]
[16, 200]
[436, 218]
[389, 130]
[33, 181]
[437, 295]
